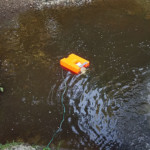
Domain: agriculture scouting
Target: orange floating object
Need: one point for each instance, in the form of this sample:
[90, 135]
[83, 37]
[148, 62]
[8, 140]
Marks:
[74, 63]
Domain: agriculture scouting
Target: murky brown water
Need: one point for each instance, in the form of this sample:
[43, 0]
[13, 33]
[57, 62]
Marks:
[107, 108]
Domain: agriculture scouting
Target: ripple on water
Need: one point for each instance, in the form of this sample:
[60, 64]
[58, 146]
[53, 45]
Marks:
[94, 109]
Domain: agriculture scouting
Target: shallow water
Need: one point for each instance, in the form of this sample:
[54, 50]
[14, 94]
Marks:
[106, 108]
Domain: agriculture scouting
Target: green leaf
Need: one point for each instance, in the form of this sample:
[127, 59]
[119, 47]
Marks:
[1, 89]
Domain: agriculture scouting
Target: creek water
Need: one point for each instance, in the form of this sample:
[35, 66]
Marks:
[106, 108]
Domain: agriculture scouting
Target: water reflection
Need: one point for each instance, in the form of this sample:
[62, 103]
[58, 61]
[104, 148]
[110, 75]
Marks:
[94, 109]
[99, 108]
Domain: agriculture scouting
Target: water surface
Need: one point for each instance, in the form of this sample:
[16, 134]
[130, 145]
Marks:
[106, 108]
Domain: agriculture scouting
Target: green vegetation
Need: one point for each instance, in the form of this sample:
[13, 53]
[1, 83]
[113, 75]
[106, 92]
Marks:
[1, 89]
[9, 145]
